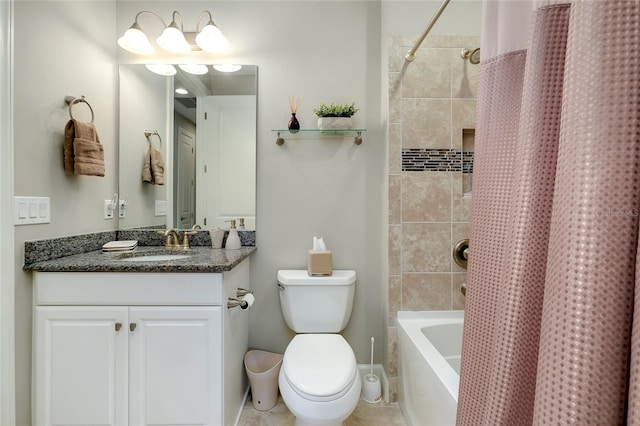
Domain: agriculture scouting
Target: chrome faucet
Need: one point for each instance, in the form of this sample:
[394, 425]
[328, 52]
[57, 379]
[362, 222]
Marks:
[173, 240]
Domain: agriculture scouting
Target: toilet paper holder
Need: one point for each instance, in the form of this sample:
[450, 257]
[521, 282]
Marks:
[240, 299]
[242, 292]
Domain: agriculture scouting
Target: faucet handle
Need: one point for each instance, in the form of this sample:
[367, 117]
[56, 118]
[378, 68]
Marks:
[185, 238]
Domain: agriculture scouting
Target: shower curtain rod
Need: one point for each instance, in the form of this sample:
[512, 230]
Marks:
[411, 54]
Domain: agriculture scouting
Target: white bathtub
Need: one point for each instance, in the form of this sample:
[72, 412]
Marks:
[429, 346]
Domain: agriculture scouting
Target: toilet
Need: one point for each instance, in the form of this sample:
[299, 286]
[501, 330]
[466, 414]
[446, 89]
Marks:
[319, 379]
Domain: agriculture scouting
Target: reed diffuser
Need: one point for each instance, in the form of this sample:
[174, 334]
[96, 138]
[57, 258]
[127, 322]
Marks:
[294, 125]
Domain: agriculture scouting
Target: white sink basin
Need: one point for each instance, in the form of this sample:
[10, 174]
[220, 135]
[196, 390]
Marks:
[156, 257]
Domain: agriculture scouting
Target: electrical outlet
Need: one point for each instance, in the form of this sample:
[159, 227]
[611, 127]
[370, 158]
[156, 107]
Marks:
[122, 209]
[108, 210]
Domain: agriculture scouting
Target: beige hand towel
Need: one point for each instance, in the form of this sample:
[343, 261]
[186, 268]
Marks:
[83, 152]
[153, 167]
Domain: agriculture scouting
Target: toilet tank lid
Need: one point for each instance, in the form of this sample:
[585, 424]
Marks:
[301, 277]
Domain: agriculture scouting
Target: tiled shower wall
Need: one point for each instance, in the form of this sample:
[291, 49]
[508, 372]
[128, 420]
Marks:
[431, 104]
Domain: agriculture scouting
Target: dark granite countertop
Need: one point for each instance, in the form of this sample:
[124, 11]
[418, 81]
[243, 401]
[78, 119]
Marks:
[201, 259]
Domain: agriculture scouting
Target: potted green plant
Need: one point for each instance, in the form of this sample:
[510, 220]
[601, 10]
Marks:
[335, 116]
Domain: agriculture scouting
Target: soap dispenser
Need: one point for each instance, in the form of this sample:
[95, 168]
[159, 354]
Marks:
[233, 239]
[241, 224]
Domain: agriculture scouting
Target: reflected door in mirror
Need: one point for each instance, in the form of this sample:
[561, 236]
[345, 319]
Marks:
[186, 164]
[227, 185]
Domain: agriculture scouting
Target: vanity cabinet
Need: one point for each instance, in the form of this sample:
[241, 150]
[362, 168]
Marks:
[138, 348]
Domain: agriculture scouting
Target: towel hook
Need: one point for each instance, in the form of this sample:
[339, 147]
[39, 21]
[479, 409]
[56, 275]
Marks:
[71, 101]
[149, 133]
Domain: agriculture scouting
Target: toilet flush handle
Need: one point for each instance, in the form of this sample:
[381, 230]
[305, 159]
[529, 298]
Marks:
[281, 287]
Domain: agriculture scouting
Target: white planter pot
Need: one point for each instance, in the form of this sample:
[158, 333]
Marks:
[334, 123]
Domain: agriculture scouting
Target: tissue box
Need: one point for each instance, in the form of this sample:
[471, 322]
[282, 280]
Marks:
[320, 263]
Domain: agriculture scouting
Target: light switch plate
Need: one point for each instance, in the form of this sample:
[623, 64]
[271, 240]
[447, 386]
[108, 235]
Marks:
[31, 210]
[161, 208]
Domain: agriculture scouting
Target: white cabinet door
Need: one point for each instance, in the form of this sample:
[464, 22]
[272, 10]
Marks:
[81, 366]
[175, 365]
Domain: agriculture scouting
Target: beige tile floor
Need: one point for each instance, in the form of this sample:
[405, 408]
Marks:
[365, 414]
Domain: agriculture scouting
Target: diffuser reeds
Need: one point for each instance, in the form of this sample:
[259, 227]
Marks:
[294, 101]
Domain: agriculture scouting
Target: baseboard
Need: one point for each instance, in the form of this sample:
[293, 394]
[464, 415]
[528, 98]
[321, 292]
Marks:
[244, 402]
[378, 370]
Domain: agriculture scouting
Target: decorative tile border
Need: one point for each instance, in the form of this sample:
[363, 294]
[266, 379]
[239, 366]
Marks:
[436, 160]
[467, 162]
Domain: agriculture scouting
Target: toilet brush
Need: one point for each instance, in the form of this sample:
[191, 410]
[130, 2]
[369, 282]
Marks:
[372, 341]
[371, 389]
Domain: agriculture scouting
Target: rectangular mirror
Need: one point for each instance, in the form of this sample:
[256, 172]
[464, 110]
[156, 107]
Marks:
[204, 129]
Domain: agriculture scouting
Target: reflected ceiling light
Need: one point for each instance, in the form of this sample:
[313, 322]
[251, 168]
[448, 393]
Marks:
[161, 69]
[181, 91]
[197, 69]
[210, 38]
[172, 39]
[227, 67]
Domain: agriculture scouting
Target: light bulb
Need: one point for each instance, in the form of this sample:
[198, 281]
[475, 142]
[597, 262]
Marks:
[227, 67]
[161, 69]
[135, 40]
[211, 39]
[173, 40]
[196, 69]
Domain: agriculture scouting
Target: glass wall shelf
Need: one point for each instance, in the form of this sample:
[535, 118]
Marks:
[309, 133]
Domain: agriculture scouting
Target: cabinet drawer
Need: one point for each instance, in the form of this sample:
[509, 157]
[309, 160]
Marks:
[126, 288]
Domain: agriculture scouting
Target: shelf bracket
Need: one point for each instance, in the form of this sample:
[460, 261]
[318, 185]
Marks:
[279, 140]
[358, 138]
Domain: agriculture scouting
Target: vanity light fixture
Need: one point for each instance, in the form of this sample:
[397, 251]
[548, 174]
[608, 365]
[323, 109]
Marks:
[174, 38]
[210, 38]
[196, 69]
[227, 67]
[162, 69]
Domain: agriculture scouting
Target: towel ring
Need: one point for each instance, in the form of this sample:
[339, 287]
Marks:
[149, 133]
[71, 101]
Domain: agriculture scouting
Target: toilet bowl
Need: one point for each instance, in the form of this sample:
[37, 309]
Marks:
[319, 379]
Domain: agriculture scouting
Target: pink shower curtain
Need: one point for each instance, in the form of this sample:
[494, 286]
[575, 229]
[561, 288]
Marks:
[550, 335]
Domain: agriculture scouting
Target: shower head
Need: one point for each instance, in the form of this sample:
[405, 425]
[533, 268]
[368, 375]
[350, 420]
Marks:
[472, 55]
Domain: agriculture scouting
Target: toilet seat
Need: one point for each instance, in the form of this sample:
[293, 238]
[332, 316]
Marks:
[319, 367]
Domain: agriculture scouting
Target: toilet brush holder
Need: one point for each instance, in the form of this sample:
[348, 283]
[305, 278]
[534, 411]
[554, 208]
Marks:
[371, 389]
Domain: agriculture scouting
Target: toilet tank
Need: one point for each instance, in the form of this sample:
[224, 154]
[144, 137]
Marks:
[316, 304]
